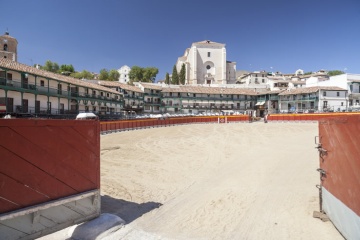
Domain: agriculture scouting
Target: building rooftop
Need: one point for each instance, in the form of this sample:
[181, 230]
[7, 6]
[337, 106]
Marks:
[295, 91]
[11, 65]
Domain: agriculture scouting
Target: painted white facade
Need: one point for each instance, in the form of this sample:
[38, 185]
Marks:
[124, 74]
[205, 63]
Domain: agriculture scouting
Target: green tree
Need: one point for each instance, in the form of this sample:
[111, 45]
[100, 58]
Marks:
[104, 74]
[175, 76]
[307, 73]
[167, 78]
[67, 68]
[51, 66]
[82, 75]
[149, 74]
[136, 74]
[114, 75]
[335, 72]
[182, 74]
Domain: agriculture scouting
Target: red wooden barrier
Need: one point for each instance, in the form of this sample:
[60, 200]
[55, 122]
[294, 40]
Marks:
[43, 160]
[341, 164]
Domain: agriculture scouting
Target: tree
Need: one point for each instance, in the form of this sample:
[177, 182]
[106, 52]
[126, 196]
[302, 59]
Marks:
[307, 73]
[114, 75]
[335, 72]
[67, 68]
[82, 75]
[182, 74]
[149, 74]
[51, 66]
[104, 74]
[167, 78]
[135, 74]
[175, 76]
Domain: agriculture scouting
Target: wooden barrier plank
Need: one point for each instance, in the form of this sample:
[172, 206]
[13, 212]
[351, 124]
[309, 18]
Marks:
[21, 195]
[69, 145]
[45, 160]
[26, 173]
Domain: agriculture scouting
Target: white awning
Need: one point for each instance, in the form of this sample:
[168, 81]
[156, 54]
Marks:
[259, 103]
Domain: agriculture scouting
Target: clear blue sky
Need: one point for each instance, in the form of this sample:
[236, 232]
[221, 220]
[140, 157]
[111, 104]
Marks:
[278, 35]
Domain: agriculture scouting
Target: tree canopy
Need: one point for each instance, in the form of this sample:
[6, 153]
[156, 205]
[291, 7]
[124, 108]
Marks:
[104, 74]
[175, 76]
[114, 75]
[335, 72]
[82, 75]
[167, 78]
[182, 74]
[147, 74]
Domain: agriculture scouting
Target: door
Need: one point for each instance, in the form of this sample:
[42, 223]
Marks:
[25, 105]
[24, 81]
[37, 106]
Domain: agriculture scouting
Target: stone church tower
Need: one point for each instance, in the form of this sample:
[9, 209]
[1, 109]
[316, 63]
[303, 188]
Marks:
[8, 47]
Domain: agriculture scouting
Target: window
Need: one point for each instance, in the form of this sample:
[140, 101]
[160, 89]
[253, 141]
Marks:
[108, 95]
[208, 54]
[208, 67]
[94, 109]
[324, 94]
[9, 76]
[94, 93]
[42, 83]
[325, 104]
[337, 94]
[342, 103]
[5, 47]
[194, 94]
[101, 94]
[263, 80]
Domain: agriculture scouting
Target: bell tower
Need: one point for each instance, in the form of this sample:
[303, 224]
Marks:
[8, 47]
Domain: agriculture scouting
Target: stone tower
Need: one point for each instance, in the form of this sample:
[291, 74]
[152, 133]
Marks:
[8, 47]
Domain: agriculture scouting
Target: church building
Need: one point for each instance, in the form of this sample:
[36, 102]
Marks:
[8, 47]
[205, 63]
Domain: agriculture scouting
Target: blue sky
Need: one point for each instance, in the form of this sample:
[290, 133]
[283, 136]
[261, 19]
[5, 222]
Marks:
[271, 35]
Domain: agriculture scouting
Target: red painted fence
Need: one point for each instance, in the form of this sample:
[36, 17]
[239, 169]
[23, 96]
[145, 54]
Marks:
[43, 160]
[124, 125]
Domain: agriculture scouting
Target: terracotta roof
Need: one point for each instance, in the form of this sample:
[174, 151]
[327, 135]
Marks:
[8, 36]
[298, 82]
[209, 90]
[11, 65]
[151, 86]
[120, 85]
[270, 92]
[310, 90]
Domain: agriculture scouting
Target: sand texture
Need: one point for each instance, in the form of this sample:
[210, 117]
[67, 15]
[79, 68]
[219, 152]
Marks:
[214, 181]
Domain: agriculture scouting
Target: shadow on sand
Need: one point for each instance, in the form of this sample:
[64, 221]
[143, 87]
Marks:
[128, 211]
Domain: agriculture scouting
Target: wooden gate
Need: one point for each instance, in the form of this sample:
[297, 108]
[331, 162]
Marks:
[339, 149]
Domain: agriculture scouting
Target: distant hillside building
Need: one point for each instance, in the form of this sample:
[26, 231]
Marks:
[124, 74]
[8, 47]
[206, 63]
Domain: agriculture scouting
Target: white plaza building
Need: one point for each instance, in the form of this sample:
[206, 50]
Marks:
[124, 74]
[205, 63]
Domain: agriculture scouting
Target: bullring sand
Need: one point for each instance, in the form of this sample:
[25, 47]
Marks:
[214, 181]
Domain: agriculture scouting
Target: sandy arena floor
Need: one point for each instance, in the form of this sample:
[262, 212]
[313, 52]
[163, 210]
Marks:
[214, 181]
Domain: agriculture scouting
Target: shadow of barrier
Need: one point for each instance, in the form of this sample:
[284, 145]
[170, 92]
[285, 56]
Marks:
[128, 211]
